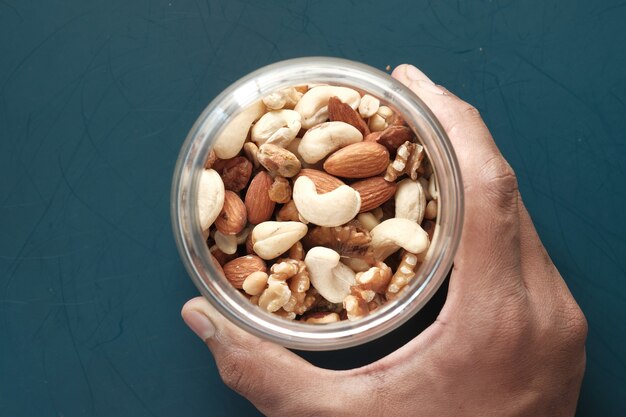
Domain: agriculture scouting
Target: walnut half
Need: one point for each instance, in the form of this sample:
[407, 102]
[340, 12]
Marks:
[351, 239]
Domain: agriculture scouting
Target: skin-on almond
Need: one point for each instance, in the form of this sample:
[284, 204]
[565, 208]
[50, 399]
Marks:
[232, 219]
[237, 270]
[217, 265]
[259, 206]
[342, 112]
[429, 227]
[249, 245]
[288, 213]
[220, 257]
[359, 160]
[374, 192]
[392, 137]
[323, 182]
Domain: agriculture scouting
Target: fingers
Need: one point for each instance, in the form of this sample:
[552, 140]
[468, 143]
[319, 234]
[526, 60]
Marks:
[489, 251]
[274, 379]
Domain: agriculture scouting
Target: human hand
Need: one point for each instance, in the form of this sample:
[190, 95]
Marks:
[508, 342]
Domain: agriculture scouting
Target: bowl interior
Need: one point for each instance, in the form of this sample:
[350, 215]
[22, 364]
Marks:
[194, 251]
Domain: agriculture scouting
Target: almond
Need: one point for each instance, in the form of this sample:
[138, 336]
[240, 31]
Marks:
[392, 137]
[323, 181]
[217, 265]
[249, 244]
[259, 206]
[321, 317]
[339, 111]
[429, 227]
[359, 160]
[237, 270]
[374, 192]
[236, 173]
[220, 257]
[288, 213]
[232, 219]
[218, 165]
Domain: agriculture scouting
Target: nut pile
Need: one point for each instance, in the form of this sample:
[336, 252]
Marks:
[318, 203]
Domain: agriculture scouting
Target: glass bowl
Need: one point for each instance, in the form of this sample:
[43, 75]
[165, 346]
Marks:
[192, 244]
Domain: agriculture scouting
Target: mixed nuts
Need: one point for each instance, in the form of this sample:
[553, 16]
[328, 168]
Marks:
[318, 203]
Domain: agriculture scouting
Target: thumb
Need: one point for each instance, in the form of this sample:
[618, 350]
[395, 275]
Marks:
[275, 380]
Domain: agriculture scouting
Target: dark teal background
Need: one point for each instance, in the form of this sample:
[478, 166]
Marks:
[96, 98]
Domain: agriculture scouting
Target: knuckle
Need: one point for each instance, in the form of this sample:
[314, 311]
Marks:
[498, 182]
[470, 112]
[566, 328]
[575, 326]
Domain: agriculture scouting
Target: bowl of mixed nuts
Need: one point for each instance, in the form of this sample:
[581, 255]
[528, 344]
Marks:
[317, 203]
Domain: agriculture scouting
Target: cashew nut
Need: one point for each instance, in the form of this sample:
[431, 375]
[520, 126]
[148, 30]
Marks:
[432, 187]
[378, 213]
[277, 127]
[410, 200]
[380, 120]
[431, 210]
[232, 138]
[242, 236]
[250, 150]
[393, 234]
[325, 138]
[274, 238]
[368, 220]
[313, 106]
[210, 197]
[368, 106]
[424, 182]
[293, 148]
[285, 98]
[331, 278]
[225, 243]
[333, 208]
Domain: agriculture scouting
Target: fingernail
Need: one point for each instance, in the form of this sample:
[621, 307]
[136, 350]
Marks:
[200, 324]
[429, 86]
[413, 74]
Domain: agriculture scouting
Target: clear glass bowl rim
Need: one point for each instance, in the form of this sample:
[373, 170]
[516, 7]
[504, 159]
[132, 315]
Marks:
[192, 246]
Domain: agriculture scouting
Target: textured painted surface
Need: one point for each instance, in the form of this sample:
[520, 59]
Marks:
[97, 96]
